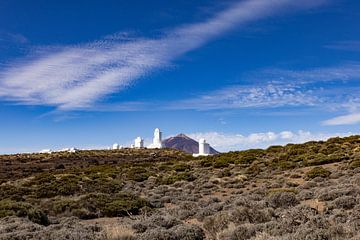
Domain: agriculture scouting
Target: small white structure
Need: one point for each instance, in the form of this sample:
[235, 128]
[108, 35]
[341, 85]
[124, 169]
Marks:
[157, 140]
[70, 150]
[46, 151]
[204, 148]
[115, 146]
[73, 150]
[139, 142]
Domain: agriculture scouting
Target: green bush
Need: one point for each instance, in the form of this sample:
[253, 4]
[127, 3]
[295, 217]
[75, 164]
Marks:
[318, 172]
[138, 174]
[22, 209]
[14, 192]
[286, 164]
[355, 164]
[170, 179]
[96, 205]
[222, 163]
[205, 163]
[113, 206]
[63, 186]
[181, 167]
[224, 173]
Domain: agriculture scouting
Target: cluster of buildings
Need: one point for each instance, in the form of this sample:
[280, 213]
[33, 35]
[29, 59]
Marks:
[204, 147]
[69, 150]
[156, 143]
[139, 142]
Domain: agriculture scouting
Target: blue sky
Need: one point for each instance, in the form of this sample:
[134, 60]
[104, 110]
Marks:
[241, 73]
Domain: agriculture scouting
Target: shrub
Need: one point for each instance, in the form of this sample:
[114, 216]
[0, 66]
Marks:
[178, 232]
[224, 173]
[14, 192]
[156, 221]
[217, 223]
[243, 232]
[113, 206]
[318, 172]
[286, 164]
[138, 174]
[282, 199]
[188, 232]
[206, 163]
[170, 179]
[250, 215]
[99, 205]
[157, 234]
[345, 202]
[254, 169]
[181, 167]
[355, 163]
[47, 185]
[221, 163]
[289, 190]
[21, 209]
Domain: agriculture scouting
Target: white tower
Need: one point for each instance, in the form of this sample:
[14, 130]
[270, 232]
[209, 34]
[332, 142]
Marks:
[157, 140]
[115, 146]
[139, 142]
[204, 148]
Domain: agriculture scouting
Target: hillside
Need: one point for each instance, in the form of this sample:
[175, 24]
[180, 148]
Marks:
[184, 143]
[299, 191]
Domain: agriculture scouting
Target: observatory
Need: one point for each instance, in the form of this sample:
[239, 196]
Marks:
[204, 148]
[139, 142]
[73, 150]
[46, 151]
[115, 146]
[157, 140]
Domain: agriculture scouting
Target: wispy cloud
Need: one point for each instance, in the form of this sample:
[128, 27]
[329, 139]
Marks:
[257, 96]
[76, 77]
[229, 141]
[342, 72]
[273, 88]
[350, 119]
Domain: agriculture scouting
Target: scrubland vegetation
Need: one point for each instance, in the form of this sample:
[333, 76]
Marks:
[299, 191]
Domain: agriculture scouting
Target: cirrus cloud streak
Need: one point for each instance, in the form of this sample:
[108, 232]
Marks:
[76, 77]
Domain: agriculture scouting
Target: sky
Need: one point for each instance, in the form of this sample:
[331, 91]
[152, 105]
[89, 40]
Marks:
[239, 73]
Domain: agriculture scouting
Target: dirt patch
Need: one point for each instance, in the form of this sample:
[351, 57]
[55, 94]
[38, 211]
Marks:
[316, 204]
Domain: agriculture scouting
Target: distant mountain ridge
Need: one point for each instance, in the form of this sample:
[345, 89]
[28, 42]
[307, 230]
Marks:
[184, 143]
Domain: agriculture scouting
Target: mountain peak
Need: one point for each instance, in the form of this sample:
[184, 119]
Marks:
[184, 143]
[182, 135]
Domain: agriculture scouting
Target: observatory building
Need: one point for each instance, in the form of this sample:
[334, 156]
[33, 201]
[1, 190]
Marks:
[204, 148]
[157, 140]
[115, 146]
[139, 142]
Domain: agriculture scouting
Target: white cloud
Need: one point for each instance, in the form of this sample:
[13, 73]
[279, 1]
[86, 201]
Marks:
[349, 119]
[343, 72]
[277, 88]
[78, 76]
[257, 96]
[228, 141]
